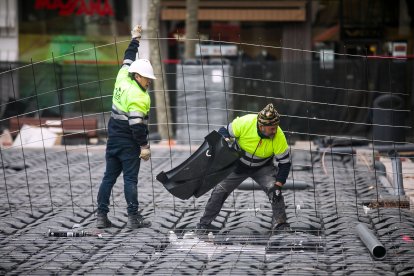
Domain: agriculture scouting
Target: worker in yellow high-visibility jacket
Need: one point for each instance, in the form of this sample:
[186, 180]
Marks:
[262, 142]
[127, 134]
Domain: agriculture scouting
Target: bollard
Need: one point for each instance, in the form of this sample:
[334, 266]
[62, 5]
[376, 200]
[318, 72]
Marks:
[398, 183]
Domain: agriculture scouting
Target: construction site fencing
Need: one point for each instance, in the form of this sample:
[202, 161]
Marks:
[352, 100]
[343, 117]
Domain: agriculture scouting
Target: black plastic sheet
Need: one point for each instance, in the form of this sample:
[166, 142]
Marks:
[203, 170]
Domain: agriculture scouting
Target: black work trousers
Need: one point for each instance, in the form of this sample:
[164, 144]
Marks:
[264, 176]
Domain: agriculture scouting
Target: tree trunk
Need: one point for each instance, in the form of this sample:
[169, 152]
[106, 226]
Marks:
[191, 27]
[162, 99]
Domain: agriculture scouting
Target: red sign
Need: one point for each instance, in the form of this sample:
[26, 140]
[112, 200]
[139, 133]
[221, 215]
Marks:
[77, 7]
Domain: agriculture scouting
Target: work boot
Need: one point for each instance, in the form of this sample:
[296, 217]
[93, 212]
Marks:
[204, 229]
[102, 221]
[137, 221]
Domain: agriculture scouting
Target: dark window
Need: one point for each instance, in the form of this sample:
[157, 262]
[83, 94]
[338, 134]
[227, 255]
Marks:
[74, 17]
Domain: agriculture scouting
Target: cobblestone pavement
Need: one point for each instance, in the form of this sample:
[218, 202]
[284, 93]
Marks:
[323, 240]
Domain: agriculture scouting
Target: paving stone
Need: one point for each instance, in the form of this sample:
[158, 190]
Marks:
[124, 251]
[101, 271]
[126, 271]
[6, 229]
[7, 265]
[135, 264]
[67, 271]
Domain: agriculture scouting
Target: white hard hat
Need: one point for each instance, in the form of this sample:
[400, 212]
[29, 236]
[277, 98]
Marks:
[142, 67]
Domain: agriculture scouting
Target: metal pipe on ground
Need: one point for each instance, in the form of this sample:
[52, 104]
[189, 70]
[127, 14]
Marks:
[250, 185]
[376, 249]
[398, 182]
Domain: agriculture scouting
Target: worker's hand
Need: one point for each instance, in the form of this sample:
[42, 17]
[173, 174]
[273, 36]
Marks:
[278, 184]
[275, 193]
[145, 153]
[278, 190]
[229, 141]
[136, 32]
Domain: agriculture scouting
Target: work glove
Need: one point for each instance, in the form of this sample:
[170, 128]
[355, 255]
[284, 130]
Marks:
[145, 153]
[278, 190]
[136, 32]
[275, 193]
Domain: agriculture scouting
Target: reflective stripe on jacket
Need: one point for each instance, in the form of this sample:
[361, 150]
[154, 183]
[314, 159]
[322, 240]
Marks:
[129, 97]
[130, 108]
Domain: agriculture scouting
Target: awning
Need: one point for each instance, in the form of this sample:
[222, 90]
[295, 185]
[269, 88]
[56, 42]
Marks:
[282, 11]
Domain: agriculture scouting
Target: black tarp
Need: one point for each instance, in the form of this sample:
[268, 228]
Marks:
[203, 170]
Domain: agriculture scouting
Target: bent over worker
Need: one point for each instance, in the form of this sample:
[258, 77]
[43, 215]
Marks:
[127, 134]
[261, 140]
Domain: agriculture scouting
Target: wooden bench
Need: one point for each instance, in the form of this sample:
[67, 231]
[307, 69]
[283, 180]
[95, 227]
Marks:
[70, 126]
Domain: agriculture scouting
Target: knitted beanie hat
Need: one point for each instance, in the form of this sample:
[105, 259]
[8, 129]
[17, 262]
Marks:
[268, 116]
